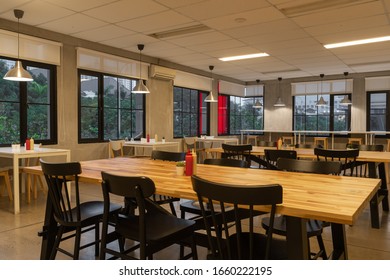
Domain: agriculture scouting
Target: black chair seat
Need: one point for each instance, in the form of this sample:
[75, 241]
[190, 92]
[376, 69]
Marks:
[161, 228]
[313, 227]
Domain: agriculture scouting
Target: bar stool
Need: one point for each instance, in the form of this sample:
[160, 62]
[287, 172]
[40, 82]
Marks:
[355, 141]
[252, 139]
[289, 140]
[323, 141]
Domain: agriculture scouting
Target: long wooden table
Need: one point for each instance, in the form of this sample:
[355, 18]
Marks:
[335, 199]
[376, 162]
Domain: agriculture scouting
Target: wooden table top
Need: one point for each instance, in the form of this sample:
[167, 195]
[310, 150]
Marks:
[338, 199]
[309, 153]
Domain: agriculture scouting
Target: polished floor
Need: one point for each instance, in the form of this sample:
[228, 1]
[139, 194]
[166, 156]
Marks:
[19, 238]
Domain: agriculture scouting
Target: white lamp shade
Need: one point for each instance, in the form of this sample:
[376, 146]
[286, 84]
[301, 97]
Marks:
[321, 102]
[210, 98]
[18, 73]
[279, 103]
[140, 87]
[346, 101]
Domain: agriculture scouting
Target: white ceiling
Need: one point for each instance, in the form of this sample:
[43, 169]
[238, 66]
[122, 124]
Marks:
[292, 32]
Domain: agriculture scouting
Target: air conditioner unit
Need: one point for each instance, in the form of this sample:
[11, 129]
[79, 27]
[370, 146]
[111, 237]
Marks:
[159, 72]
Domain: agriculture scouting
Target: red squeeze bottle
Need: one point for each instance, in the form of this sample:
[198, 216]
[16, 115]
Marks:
[189, 163]
[147, 138]
[27, 144]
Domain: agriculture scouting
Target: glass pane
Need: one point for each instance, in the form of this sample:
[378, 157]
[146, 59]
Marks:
[38, 122]
[177, 132]
[110, 92]
[89, 123]
[111, 124]
[125, 124]
[89, 91]
[137, 122]
[9, 123]
[38, 91]
[9, 90]
[124, 93]
[378, 108]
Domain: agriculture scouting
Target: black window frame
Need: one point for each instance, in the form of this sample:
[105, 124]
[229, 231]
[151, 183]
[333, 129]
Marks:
[100, 107]
[331, 113]
[23, 101]
[368, 110]
[228, 105]
[199, 93]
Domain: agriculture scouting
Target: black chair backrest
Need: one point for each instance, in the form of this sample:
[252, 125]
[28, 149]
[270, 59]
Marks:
[346, 157]
[227, 162]
[309, 166]
[57, 176]
[168, 156]
[236, 241]
[241, 152]
[271, 156]
[371, 148]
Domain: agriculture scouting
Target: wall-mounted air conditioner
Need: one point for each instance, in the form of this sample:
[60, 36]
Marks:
[159, 72]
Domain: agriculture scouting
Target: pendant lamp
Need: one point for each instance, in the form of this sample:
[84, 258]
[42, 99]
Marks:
[346, 100]
[18, 73]
[258, 104]
[321, 101]
[139, 85]
[210, 98]
[279, 102]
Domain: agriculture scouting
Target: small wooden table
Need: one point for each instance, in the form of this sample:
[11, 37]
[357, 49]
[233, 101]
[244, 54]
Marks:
[335, 199]
[152, 145]
[15, 155]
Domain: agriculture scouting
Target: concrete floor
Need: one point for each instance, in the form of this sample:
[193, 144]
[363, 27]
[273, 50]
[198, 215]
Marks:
[19, 233]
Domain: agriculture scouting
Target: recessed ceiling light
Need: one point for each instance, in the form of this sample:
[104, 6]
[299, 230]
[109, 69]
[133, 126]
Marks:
[357, 42]
[245, 56]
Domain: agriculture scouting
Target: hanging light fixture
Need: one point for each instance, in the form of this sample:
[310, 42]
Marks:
[346, 100]
[210, 97]
[257, 104]
[321, 101]
[18, 73]
[139, 85]
[279, 102]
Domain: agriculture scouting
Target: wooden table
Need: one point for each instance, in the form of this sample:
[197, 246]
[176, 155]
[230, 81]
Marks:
[335, 199]
[15, 155]
[151, 145]
[376, 161]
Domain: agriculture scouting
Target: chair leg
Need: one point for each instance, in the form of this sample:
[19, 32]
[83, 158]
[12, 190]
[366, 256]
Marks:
[56, 243]
[97, 237]
[77, 242]
[173, 210]
[8, 186]
[321, 245]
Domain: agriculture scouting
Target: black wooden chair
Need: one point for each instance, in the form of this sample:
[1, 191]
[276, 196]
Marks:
[73, 217]
[238, 240]
[167, 156]
[192, 207]
[346, 157]
[241, 152]
[314, 228]
[227, 162]
[151, 228]
[271, 156]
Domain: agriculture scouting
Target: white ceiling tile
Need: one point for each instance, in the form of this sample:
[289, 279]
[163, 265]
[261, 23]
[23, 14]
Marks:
[104, 33]
[72, 24]
[7, 6]
[124, 10]
[79, 6]
[157, 22]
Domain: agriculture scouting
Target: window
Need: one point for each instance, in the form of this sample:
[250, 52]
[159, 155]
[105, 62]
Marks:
[377, 111]
[108, 109]
[28, 109]
[308, 116]
[190, 116]
[237, 113]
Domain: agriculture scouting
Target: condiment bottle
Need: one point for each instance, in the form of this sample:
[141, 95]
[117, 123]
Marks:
[27, 145]
[189, 163]
[31, 144]
[155, 138]
[195, 162]
[280, 143]
[147, 138]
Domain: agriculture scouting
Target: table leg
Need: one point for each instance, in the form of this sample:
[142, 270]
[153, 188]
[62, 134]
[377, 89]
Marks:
[16, 185]
[339, 240]
[297, 241]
